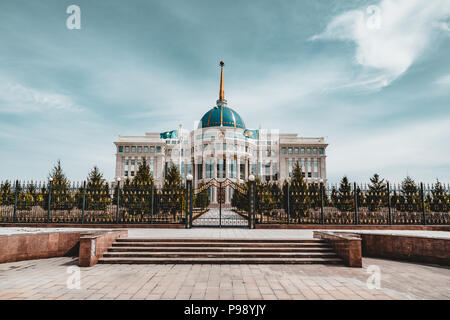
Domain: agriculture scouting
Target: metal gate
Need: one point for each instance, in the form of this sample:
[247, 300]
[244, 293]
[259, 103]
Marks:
[228, 205]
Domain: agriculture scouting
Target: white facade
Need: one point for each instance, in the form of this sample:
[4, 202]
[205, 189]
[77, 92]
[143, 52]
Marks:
[223, 151]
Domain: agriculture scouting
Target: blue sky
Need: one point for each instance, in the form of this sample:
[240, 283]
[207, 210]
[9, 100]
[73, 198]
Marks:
[375, 84]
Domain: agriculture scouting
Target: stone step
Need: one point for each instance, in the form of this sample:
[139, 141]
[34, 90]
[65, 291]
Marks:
[231, 240]
[219, 244]
[115, 260]
[228, 255]
[219, 249]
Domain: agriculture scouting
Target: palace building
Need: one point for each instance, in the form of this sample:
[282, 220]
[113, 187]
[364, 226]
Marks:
[222, 147]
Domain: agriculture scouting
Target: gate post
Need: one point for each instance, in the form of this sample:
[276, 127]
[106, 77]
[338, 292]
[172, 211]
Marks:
[84, 202]
[153, 201]
[356, 202]
[188, 223]
[423, 203]
[50, 183]
[322, 219]
[118, 201]
[16, 189]
[251, 201]
[220, 204]
[389, 202]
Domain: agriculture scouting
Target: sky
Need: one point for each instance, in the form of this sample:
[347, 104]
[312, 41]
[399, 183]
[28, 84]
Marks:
[372, 77]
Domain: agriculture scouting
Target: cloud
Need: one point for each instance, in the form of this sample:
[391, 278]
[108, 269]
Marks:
[394, 151]
[18, 99]
[443, 81]
[389, 37]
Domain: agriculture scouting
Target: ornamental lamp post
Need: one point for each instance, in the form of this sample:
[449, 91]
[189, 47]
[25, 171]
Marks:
[251, 200]
[189, 196]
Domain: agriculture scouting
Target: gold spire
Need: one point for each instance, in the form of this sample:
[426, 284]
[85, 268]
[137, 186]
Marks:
[221, 92]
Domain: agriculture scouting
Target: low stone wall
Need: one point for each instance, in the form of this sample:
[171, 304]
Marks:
[355, 227]
[92, 226]
[410, 248]
[347, 246]
[92, 246]
[18, 247]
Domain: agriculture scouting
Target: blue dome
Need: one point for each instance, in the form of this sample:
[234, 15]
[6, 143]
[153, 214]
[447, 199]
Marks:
[221, 115]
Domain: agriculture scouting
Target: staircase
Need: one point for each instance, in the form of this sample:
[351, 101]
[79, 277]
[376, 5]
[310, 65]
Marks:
[219, 251]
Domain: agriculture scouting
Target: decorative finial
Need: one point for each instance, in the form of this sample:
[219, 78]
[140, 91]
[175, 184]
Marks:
[221, 93]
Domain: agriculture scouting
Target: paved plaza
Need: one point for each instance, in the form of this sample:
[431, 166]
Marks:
[213, 217]
[48, 278]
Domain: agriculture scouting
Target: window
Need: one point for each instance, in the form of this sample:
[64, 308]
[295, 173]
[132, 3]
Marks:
[308, 151]
[296, 150]
[126, 173]
[302, 150]
[290, 167]
[221, 165]
[126, 162]
[315, 151]
[169, 152]
[309, 174]
[242, 171]
[145, 149]
[224, 147]
[120, 149]
[152, 163]
[158, 149]
[290, 151]
[139, 149]
[132, 173]
[267, 172]
[273, 153]
[127, 149]
[133, 149]
[209, 168]
[267, 153]
[253, 169]
[200, 171]
[232, 168]
[283, 150]
[321, 151]
[275, 171]
[132, 162]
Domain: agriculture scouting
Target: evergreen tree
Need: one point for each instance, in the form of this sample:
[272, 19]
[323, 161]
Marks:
[97, 192]
[377, 195]
[345, 197]
[139, 197]
[172, 196]
[440, 200]
[61, 196]
[299, 200]
[409, 201]
[6, 194]
[314, 194]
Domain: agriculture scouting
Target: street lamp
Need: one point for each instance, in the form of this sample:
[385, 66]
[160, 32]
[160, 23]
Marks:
[251, 177]
[189, 177]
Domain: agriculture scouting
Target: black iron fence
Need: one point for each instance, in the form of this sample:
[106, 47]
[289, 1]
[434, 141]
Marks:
[104, 203]
[355, 204]
[269, 203]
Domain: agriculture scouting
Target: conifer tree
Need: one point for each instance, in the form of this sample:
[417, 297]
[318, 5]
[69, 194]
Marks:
[61, 196]
[299, 200]
[409, 200]
[440, 200]
[345, 196]
[6, 194]
[377, 195]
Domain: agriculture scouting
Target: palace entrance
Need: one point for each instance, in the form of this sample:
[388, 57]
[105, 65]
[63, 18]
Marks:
[228, 205]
